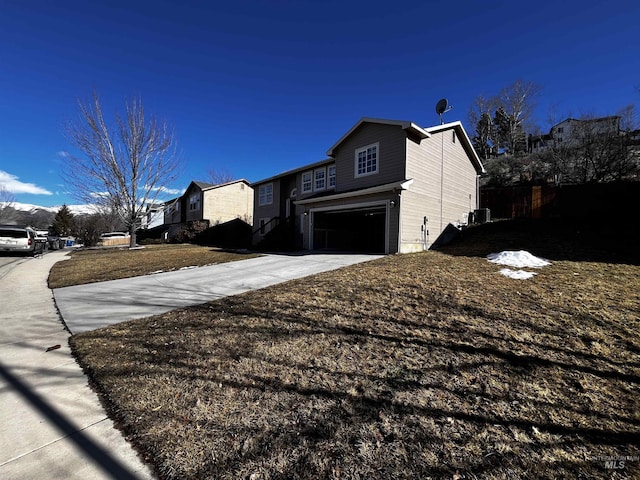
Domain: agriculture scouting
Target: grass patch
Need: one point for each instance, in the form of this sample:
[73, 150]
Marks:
[413, 366]
[99, 265]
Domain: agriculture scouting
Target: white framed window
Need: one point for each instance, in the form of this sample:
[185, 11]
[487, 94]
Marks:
[331, 174]
[319, 179]
[265, 194]
[366, 161]
[194, 201]
[307, 182]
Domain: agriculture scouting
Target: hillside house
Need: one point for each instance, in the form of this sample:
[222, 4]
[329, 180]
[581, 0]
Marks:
[572, 132]
[387, 186]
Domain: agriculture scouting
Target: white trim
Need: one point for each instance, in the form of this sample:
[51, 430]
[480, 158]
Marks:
[354, 206]
[405, 125]
[260, 202]
[315, 179]
[302, 189]
[388, 187]
[335, 176]
[365, 149]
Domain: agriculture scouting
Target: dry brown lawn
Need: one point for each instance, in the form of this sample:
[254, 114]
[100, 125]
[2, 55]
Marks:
[414, 366]
[98, 265]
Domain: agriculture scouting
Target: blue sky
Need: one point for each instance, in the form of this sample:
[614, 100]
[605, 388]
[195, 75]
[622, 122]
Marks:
[259, 87]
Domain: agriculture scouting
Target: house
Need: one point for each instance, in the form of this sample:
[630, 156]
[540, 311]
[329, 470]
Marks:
[153, 216]
[210, 203]
[387, 186]
[573, 132]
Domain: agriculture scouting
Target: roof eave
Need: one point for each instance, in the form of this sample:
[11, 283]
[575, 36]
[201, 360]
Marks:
[388, 187]
[405, 125]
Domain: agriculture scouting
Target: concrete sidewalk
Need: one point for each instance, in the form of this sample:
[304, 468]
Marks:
[53, 425]
[96, 305]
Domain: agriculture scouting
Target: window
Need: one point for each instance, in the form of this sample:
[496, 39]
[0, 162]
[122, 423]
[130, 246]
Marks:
[263, 225]
[560, 129]
[367, 160]
[332, 176]
[265, 194]
[307, 182]
[194, 201]
[320, 176]
[453, 137]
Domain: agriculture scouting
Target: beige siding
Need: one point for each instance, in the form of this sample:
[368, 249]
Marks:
[228, 202]
[443, 190]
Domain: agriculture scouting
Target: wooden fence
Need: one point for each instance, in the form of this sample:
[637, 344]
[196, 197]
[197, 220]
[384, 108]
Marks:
[614, 201]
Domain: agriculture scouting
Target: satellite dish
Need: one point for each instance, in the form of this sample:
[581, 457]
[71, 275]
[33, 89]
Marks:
[441, 106]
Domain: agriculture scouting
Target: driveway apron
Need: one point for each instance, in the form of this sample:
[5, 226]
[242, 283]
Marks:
[92, 306]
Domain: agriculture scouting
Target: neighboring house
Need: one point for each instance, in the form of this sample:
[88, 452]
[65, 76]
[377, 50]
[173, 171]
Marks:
[388, 186]
[153, 216]
[537, 143]
[572, 132]
[211, 203]
[173, 211]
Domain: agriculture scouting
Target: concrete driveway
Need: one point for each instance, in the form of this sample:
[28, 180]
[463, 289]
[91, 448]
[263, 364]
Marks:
[87, 307]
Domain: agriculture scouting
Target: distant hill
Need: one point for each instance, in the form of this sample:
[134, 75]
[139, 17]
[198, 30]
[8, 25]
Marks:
[36, 216]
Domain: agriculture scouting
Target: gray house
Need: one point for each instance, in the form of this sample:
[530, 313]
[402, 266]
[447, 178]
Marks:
[387, 186]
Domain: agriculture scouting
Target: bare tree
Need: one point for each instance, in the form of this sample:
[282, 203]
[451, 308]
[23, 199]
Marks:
[123, 166]
[516, 104]
[218, 176]
[7, 202]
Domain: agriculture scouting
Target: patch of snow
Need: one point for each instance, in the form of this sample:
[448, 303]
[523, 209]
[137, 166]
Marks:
[517, 274]
[519, 259]
[75, 209]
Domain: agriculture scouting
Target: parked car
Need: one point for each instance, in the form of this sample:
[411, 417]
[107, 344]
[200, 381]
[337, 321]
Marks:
[20, 240]
[114, 235]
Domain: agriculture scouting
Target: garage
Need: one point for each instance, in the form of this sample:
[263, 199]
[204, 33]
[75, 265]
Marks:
[351, 230]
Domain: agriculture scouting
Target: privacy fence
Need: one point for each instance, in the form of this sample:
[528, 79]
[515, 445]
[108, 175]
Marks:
[600, 201]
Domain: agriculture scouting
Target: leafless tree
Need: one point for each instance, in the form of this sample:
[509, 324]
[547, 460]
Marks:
[219, 176]
[518, 102]
[7, 201]
[122, 166]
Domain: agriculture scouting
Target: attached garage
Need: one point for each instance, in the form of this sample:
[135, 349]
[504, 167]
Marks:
[362, 229]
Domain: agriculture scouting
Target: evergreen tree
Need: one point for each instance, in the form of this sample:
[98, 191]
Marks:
[63, 223]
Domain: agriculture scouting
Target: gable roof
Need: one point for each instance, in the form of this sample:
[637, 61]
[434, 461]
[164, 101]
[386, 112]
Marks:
[405, 124]
[464, 140]
[202, 185]
[293, 171]
[210, 186]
